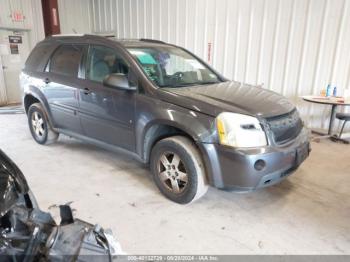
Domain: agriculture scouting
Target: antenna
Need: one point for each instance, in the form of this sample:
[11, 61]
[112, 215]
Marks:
[74, 31]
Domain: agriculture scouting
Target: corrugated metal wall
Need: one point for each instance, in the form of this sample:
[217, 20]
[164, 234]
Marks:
[294, 47]
[75, 16]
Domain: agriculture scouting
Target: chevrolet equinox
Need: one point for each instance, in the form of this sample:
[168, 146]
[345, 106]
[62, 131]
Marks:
[167, 108]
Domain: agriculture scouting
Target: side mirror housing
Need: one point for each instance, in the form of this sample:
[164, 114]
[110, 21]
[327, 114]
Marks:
[119, 81]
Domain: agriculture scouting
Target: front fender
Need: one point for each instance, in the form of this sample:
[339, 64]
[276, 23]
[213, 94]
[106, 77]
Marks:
[153, 112]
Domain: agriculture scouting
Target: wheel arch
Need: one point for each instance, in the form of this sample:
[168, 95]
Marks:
[154, 132]
[34, 95]
[29, 99]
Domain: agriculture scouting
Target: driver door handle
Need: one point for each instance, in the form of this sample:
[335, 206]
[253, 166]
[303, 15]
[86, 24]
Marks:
[87, 91]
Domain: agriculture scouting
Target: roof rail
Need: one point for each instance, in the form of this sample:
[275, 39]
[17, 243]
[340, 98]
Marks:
[68, 35]
[152, 40]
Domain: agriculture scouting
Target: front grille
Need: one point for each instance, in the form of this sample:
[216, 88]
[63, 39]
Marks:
[285, 127]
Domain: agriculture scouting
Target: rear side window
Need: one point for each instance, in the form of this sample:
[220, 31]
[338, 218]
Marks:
[66, 60]
[37, 59]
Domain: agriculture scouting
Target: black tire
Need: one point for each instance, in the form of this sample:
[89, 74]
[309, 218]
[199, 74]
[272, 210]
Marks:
[181, 157]
[39, 125]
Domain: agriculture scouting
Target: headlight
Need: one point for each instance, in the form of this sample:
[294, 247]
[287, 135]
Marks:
[239, 130]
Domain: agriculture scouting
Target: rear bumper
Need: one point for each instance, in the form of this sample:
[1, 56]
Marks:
[236, 169]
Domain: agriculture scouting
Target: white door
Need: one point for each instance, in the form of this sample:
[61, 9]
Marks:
[13, 55]
[3, 95]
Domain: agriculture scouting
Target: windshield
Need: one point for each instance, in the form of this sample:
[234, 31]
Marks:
[168, 66]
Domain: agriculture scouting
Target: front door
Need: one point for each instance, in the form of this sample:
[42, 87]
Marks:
[14, 50]
[106, 114]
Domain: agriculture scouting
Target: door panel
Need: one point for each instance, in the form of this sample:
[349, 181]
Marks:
[13, 56]
[63, 85]
[106, 114]
[11, 68]
[63, 99]
[3, 96]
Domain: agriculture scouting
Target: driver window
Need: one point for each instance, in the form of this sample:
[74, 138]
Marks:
[103, 61]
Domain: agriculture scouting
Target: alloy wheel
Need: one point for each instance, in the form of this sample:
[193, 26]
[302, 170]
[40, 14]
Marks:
[38, 124]
[172, 172]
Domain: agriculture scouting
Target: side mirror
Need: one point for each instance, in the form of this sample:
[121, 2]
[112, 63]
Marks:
[119, 81]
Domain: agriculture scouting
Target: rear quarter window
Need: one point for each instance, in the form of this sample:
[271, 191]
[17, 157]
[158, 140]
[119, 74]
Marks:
[39, 56]
[66, 60]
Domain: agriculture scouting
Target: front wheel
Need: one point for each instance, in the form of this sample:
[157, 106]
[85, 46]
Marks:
[39, 125]
[178, 169]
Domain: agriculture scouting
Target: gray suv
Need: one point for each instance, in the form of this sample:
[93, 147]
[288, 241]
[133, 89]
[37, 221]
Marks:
[167, 108]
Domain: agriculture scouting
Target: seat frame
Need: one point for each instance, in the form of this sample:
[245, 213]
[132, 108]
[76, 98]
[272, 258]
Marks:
[342, 128]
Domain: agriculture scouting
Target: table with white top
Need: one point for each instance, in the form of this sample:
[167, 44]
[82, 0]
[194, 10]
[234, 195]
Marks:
[334, 102]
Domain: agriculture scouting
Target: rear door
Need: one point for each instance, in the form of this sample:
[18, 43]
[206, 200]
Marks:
[62, 86]
[107, 114]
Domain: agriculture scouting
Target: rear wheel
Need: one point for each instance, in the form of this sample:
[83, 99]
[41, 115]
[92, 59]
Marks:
[178, 169]
[39, 126]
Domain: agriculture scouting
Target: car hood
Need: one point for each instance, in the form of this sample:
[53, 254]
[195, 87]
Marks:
[230, 96]
[12, 183]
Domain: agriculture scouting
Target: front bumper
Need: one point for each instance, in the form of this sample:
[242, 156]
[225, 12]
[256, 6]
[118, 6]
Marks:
[235, 168]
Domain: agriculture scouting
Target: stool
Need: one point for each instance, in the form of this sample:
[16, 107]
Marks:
[345, 117]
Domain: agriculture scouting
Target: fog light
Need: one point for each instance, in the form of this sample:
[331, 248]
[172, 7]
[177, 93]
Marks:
[259, 165]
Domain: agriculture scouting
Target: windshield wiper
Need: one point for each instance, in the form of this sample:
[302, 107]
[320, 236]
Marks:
[180, 85]
[197, 84]
[208, 82]
[190, 84]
